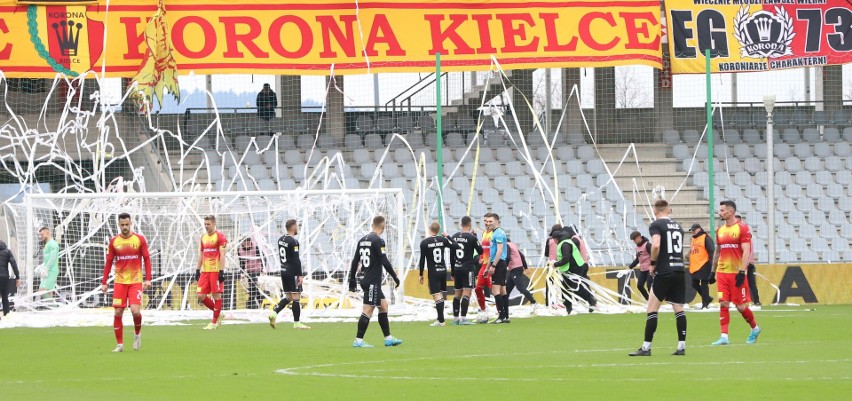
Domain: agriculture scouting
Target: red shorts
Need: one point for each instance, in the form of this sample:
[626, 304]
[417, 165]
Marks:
[208, 283]
[126, 294]
[481, 280]
[726, 284]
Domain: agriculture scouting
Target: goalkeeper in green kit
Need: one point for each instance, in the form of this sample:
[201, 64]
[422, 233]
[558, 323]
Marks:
[51, 263]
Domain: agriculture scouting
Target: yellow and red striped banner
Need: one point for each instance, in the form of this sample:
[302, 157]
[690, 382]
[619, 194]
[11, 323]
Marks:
[309, 36]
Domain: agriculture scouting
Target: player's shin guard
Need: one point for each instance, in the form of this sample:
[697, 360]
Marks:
[724, 319]
[208, 303]
[217, 309]
[480, 297]
[363, 322]
[119, 329]
[297, 311]
[465, 303]
[137, 322]
[439, 307]
[650, 327]
[748, 315]
[680, 322]
[384, 323]
[281, 304]
[456, 306]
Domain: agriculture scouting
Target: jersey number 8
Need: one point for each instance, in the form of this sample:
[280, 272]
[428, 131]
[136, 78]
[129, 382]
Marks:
[437, 256]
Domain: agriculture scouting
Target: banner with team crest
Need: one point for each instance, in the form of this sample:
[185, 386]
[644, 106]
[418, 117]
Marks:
[758, 35]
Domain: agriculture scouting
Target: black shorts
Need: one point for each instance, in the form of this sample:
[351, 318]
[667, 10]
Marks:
[500, 271]
[290, 283]
[464, 278]
[437, 282]
[670, 287]
[372, 293]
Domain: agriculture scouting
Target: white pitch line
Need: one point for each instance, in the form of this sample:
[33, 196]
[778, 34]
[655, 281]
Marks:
[301, 371]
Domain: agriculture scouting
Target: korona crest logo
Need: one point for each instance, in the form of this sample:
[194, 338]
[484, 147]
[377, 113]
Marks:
[764, 34]
[66, 37]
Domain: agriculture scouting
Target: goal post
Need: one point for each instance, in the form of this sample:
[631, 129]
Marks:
[331, 222]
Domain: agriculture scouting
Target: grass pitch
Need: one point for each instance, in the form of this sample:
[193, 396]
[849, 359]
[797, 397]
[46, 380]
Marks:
[802, 354]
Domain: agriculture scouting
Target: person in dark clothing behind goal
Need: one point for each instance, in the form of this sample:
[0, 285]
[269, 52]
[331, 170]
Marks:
[465, 262]
[699, 263]
[570, 263]
[435, 256]
[370, 257]
[669, 277]
[643, 260]
[7, 259]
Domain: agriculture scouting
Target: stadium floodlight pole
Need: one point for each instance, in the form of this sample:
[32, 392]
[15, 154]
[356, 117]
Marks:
[711, 181]
[439, 151]
[769, 105]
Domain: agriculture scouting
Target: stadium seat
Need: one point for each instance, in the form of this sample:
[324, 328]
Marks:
[586, 153]
[821, 117]
[800, 118]
[681, 152]
[759, 151]
[595, 167]
[810, 135]
[752, 165]
[802, 150]
[833, 164]
[454, 139]
[814, 191]
[841, 244]
[831, 135]
[258, 171]
[266, 185]
[785, 204]
[782, 151]
[841, 117]
[835, 191]
[732, 137]
[281, 172]
[803, 178]
[812, 164]
[700, 179]
[373, 141]
[842, 177]
[816, 218]
[691, 137]
[671, 137]
[792, 164]
[752, 136]
[842, 149]
[352, 142]
[783, 178]
[742, 151]
[406, 123]
[822, 149]
[522, 182]
[754, 192]
[493, 169]
[823, 177]
[733, 192]
[742, 179]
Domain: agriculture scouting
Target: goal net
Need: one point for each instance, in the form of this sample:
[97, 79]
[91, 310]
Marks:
[331, 222]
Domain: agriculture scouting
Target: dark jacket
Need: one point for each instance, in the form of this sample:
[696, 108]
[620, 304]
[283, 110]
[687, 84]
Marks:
[6, 259]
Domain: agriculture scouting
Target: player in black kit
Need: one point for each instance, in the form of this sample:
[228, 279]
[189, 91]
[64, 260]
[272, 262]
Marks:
[291, 275]
[669, 277]
[465, 264]
[370, 257]
[435, 255]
